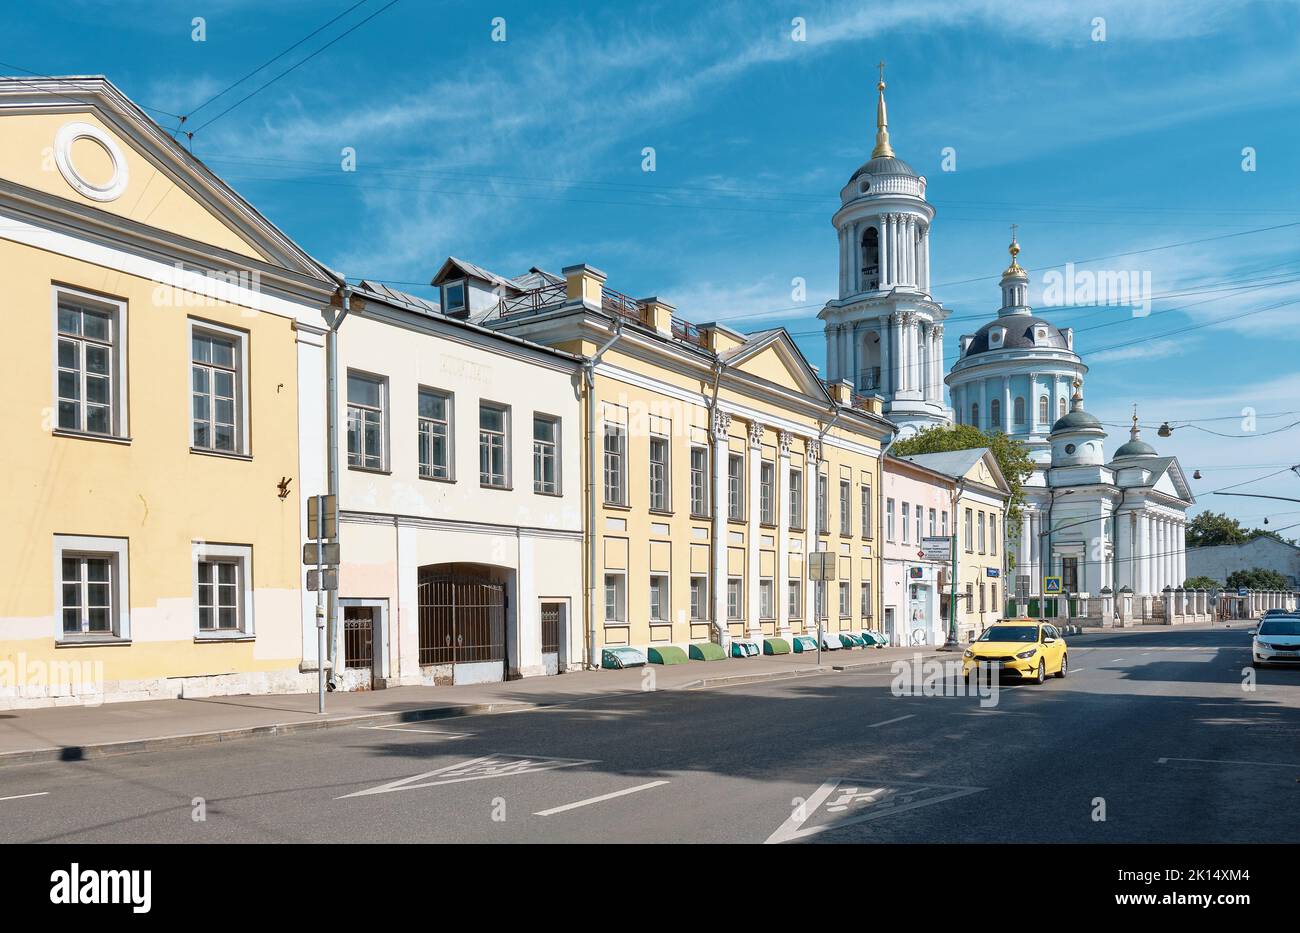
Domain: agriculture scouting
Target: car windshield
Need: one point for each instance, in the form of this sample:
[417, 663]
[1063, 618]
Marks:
[1280, 625]
[1011, 633]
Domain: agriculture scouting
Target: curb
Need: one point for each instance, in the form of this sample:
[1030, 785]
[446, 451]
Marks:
[73, 753]
[738, 679]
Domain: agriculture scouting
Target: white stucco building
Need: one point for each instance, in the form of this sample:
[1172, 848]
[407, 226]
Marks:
[460, 516]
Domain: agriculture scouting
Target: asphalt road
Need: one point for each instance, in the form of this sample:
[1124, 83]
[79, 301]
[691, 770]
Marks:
[1155, 727]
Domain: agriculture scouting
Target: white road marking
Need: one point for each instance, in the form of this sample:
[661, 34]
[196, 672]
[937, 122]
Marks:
[877, 725]
[405, 728]
[881, 801]
[603, 797]
[44, 793]
[1115, 660]
[476, 769]
[1220, 761]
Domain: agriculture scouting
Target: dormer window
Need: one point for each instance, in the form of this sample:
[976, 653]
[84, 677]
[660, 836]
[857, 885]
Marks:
[453, 298]
[1040, 335]
[996, 336]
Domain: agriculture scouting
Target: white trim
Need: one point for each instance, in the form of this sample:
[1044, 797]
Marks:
[64, 140]
[243, 553]
[121, 428]
[118, 549]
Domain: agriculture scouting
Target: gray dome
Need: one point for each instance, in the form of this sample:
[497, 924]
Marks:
[1136, 448]
[1020, 335]
[884, 165]
[1076, 420]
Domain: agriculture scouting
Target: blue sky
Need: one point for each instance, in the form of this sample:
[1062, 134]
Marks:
[529, 152]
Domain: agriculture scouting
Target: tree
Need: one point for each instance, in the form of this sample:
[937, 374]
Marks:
[1202, 583]
[1257, 578]
[1011, 455]
[1210, 529]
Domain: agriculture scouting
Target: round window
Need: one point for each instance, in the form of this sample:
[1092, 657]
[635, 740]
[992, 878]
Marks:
[1069, 448]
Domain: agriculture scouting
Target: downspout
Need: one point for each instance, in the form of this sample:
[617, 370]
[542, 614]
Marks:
[335, 320]
[880, 517]
[593, 465]
[715, 503]
[952, 642]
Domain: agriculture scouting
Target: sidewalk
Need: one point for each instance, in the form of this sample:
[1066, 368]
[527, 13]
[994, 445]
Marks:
[77, 733]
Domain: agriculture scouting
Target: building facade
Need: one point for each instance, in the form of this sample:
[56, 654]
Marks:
[153, 465]
[1265, 552]
[460, 518]
[716, 462]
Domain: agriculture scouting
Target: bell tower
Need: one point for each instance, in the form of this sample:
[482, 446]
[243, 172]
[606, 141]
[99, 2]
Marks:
[884, 333]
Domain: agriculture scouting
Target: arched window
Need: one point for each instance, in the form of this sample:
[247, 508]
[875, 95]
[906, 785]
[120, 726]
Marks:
[1062, 408]
[1044, 409]
[995, 414]
[1020, 409]
[871, 259]
[975, 413]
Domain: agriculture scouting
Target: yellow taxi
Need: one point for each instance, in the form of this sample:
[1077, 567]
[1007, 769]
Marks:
[1024, 647]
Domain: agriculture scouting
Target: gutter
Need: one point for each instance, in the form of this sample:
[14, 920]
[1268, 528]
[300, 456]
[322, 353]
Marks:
[593, 471]
[334, 320]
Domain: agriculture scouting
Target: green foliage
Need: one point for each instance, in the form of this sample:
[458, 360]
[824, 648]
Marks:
[1211, 529]
[1257, 578]
[1201, 583]
[1012, 457]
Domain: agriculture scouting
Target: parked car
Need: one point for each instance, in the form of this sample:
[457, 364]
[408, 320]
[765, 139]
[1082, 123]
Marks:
[1277, 640]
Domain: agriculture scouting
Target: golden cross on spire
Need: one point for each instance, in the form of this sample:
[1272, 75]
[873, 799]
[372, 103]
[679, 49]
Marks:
[883, 149]
[881, 66]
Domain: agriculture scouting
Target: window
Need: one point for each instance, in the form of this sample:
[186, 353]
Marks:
[845, 610]
[92, 594]
[546, 455]
[615, 598]
[453, 298]
[981, 596]
[434, 413]
[223, 590]
[970, 531]
[993, 533]
[493, 445]
[981, 531]
[796, 499]
[846, 507]
[823, 520]
[217, 393]
[88, 367]
[970, 598]
[699, 481]
[993, 596]
[1020, 409]
[615, 464]
[767, 492]
[659, 605]
[864, 598]
[919, 518]
[975, 414]
[699, 598]
[766, 599]
[366, 421]
[866, 511]
[933, 523]
[1043, 409]
[795, 600]
[907, 522]
[735, 599]
[889, 519]
[736, 487]
[659, 474]
[944, 524]
[1061, 408]
[995, 413]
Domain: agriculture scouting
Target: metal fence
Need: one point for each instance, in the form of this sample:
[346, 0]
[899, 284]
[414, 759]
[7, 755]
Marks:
[462, 619]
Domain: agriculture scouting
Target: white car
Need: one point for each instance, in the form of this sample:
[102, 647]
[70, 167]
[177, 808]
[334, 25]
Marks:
[1277, 640]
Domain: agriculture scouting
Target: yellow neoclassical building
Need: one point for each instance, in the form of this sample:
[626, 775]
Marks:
[716, 462]
[153, 326]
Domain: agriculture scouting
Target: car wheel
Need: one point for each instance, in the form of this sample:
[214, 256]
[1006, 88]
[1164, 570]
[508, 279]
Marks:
[1042, 672]
[1065, 666]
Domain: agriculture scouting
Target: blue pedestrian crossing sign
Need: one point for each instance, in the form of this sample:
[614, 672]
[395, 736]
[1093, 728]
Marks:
[1051, 585]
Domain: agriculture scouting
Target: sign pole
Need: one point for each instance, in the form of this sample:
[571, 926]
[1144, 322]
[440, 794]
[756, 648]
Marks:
[319, 503]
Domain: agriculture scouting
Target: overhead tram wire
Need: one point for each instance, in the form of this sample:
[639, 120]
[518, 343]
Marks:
[296, 65]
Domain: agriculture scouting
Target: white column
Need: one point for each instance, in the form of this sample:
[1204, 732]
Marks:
[886, 356]
[1182, 552]
[1123, 552]
[895, 251]
[900, 353]
[984, 403]
[882, 227]
[784, 439]
[811, 470]
[752, 534]
[721, 449]
[938, 363]
[925, 277]
[1006, 404]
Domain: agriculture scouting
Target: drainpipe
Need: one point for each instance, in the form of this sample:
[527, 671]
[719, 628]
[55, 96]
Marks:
[952, 642]
[880, 512]
[335, 320]
[715, 506]
[593, 468]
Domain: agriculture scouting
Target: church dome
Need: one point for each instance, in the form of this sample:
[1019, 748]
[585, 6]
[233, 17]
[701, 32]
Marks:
[1021, 334]
[1135, 447]
[884, 165]
[1076, 419]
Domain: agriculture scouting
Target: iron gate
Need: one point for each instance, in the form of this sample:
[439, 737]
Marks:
[550, 628]
[462, 619]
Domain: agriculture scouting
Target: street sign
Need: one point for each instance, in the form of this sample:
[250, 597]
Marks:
[329, 505]
[992, 571]
[1243, 591]
[331, 579]
[821, 566]
[1052, 586]
[937, 547]
[329, 553]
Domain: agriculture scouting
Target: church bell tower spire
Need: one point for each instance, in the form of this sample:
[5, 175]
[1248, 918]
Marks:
[883, 149]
